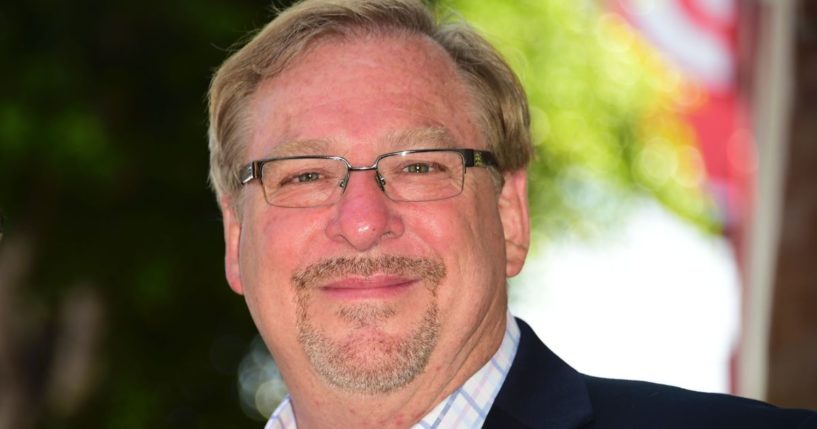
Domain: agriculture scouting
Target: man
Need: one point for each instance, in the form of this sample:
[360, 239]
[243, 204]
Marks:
[370, 167]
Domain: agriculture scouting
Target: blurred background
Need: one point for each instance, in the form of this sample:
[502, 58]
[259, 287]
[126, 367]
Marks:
[674, 203]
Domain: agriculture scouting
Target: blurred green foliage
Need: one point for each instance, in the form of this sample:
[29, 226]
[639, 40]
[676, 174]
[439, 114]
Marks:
[605, 113]
[103, 166]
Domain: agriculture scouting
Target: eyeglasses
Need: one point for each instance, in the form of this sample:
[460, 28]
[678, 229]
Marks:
[408, 175]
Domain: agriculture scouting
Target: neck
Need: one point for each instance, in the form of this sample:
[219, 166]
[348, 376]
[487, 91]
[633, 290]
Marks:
[319, 405]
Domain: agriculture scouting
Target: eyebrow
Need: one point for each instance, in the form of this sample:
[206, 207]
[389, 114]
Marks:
[421, 138]
[300, 148]
[413, 138]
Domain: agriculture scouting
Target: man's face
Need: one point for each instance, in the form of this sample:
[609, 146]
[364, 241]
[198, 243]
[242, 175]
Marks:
[367, 293]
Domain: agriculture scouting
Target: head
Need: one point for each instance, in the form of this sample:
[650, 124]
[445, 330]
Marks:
[366, 293]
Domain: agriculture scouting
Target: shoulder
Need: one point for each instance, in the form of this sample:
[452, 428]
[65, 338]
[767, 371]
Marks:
[542, 391]
[624, 403]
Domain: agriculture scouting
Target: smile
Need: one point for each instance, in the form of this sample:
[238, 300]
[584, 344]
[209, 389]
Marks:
[375, 287]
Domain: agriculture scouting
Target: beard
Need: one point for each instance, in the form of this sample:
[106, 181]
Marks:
[370, 361]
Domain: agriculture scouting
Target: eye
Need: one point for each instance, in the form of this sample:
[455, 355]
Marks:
[418, 168]
[305, 177]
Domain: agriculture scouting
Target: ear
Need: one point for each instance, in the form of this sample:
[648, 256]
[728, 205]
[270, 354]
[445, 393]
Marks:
[232, 238]
[513, 211]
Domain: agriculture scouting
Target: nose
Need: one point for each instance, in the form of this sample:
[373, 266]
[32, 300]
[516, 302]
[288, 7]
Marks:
[364, 216]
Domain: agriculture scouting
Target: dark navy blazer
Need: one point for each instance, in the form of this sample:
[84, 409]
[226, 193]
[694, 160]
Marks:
[542, 391]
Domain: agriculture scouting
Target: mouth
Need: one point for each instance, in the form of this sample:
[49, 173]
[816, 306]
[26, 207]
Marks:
[372, 287]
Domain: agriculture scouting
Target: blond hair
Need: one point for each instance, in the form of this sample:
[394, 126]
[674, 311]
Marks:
[501, 101]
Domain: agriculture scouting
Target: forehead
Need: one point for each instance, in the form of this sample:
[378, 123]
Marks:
[363, 91]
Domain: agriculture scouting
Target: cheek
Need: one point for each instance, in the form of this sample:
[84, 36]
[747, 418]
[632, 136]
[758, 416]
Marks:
[271, 247]
[262, 268]
[466, 232]
[283, 239]
[437, 228]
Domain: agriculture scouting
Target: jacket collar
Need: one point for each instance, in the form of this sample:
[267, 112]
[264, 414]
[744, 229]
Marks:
[540, 390]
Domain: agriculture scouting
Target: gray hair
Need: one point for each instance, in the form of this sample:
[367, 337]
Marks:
[501, 101]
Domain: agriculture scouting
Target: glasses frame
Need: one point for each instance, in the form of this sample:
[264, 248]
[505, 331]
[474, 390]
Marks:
[470, 158]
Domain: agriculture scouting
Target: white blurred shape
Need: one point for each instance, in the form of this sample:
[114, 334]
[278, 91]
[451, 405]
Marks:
[657, 301]
[721, 10]
[700, 52]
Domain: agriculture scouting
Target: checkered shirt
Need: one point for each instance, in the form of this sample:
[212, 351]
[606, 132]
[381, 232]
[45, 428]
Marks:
[465, 408]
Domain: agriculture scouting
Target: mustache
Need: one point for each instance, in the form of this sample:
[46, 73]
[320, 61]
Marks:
[313, 275]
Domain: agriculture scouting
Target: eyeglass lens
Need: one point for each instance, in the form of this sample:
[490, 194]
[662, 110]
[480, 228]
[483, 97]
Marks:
[413, 176]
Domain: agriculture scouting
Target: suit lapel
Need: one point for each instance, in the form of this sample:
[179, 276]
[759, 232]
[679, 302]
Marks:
[540, 391]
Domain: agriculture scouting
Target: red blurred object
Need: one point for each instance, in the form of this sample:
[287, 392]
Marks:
[700, 39]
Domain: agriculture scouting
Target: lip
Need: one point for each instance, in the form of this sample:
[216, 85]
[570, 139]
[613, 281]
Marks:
[368, 287]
